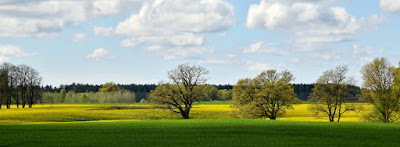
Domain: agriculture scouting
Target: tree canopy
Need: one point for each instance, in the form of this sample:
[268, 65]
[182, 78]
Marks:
[267, 95]
[185, 87]
[109, 87]
[382, 89]
[331, 92]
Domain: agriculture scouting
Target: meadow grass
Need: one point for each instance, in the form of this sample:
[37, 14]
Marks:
[122, 112]
[201, 132]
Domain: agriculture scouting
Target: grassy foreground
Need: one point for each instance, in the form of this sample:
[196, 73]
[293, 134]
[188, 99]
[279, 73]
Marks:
[200, 132]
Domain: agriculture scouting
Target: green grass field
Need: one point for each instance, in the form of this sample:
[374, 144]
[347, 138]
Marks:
[201, 132]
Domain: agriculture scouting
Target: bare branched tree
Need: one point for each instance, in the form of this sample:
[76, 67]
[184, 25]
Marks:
[19, 84]
[186, 86]
[331, 92]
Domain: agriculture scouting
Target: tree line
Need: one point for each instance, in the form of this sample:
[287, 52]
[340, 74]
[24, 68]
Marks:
[108, 93]
[269, 94]
[302, 91]
[20, 85]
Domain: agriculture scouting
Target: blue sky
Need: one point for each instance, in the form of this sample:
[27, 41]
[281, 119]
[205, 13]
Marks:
[138, 41]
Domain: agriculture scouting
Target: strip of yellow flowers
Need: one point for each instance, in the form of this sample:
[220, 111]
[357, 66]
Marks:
[64, 113]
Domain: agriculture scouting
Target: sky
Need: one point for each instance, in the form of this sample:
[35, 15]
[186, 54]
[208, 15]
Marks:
[139, 41]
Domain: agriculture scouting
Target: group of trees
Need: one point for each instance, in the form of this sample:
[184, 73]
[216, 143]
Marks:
[141, 90]
[271, 93]
[19, 85]
[302, 91]
[266, 96]
[212, 93]
[108, 93]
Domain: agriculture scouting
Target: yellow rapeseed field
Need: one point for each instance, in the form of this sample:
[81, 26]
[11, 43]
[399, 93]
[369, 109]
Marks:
[129, 112]
[301, 113]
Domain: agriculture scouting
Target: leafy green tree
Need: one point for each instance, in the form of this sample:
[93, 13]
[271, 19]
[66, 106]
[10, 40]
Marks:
[331, 92]
[267, 95]
[186, 87]
[63, 95]
[85, 98]
[109, 87]
[225, 94]
[211, 93]
[143, 101]
[382, 90]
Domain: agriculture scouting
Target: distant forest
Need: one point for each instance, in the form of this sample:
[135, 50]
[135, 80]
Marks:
[302, 91]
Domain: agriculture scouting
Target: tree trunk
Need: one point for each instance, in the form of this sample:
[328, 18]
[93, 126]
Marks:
[272, 116]
[331, 118]
[8, 103]
[185, 114]
[17, 101]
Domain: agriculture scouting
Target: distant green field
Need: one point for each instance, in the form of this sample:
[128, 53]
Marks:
[201, 132]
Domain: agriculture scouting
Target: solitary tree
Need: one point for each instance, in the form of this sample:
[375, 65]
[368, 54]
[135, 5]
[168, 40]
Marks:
[184, 88]
[382, 89]
[331, 92]
[267, 95]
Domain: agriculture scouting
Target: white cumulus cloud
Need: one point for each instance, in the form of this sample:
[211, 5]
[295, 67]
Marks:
[365, 53]
[14, 51]
[80, 37]
[3, 59]
[46, 18]
[99, 54]
[309, 22]
[390, 5]
[103, 31]
[258, 66]
[177, 26]
[183, 52]
[214, 61]
[263, 48]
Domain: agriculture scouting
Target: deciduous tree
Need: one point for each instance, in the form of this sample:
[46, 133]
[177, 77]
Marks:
[225, 94]
[63, 95]
[382, 89]
[331, 92]
[267, 95]
[211, 93]
[109, 87]
[185, 87]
